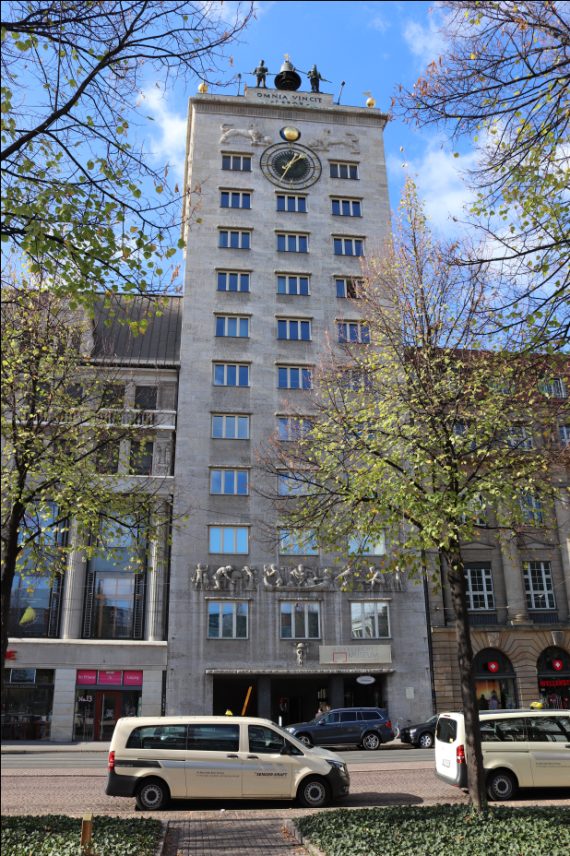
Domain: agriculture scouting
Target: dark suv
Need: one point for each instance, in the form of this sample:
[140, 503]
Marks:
[368, 727]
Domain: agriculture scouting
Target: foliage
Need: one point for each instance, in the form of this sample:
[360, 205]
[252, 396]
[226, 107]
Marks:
[455, 830]
[59, 835]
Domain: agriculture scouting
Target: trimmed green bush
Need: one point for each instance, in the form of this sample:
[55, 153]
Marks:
[453, 830]
[59, 835]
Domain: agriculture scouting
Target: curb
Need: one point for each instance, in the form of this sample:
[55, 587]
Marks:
[162, 842]
[300, 839]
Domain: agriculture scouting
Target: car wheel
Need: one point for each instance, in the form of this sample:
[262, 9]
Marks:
[501, 785]
[152, 795]
[314, 792]
[304, 739]
[371, 741]
[426, 741]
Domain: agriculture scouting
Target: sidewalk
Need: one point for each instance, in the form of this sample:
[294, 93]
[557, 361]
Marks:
[18, 747]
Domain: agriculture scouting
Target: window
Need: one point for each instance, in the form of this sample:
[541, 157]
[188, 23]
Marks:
[107, 458]
[548, 729]
[167, 737]
[502, 730]
[146, 397]
[463, 435]
[300, 621]
[291, 485]
[292, 285]
[292, 243]
[237, 163]
[34, 605]
[235, 240]
[344, 170]
[113, 396]
[292, 203]
[298, 544]
[346, 207]
[356, 380]
[553, 387]
[229, 539]
[519, 437]
[235, 199]
[348, 247]
[362, 546]
[446, 731]
[531, 506]
[564, 434]
[538, 585]
[291, 428]
[232, 326]
[229, 481]
[355, 331]
[349, 288]
[213, 738]
[227, 620]
[230, 375]
[230, 427]
[479, 588]
[140, 462]
[369, 620]
[294, 378]
[477, 510]
[233, 281]
[289, 329]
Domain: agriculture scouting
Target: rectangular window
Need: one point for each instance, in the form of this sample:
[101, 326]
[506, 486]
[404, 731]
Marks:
[346, 207]
[107, 458]
[229, 539]
[292, 203]
[227, 620]
[350, 288]
[235, 240]
[553, 387]
[234, 199]
[348, 247]
[564, 434]
[230, 427]
[300, 621]
[140, 461]
[233, 281]
[213, 738]
[34, 604]
[292, 243]
[293, 285]
[294, 378]
[298, 544]
[232, 326]
[520, 438]
[370, 620]
[362, 546]
[295, 330]
[293, 429]
[113, 396]
[344, 170]
[167, 737]
[236, 163]
[531, 506]
[229, 482]
[146, 397]
[479, 583]
[231, 375]
[356, 380]
[538, 585]
[291, 485]
[355, 332]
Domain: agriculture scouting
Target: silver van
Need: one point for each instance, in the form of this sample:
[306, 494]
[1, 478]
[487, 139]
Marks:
[155, 759]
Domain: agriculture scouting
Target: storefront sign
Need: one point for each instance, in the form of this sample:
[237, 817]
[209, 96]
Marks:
[556, 682]
[351, 654]
[86, 676]
[132, 679]
[365, 679]
[558, 665]
[109, 678]
[11, 655]
[493, 667]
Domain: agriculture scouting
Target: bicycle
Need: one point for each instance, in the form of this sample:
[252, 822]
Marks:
[397, 729]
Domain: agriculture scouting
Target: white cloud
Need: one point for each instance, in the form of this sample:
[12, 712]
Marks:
[167, 134]
[379, 23]
[423, 41]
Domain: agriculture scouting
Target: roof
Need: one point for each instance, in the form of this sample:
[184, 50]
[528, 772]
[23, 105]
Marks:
[159, 345]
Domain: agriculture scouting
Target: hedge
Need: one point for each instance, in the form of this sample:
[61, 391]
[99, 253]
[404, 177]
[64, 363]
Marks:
[59, 835]
[453, 830]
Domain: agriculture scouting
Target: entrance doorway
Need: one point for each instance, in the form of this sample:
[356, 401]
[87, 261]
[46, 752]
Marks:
[297, 699]
[107, 713]
[364, 695]
[238, 695]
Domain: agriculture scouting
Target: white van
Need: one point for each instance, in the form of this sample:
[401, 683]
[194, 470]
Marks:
[218, 757]
[521, 748]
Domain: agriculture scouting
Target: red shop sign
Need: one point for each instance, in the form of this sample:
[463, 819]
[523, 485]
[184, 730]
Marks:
[557, 682]
[86, 676]
[558, 665]
[110, 678]
[132, 679]
[493, 667]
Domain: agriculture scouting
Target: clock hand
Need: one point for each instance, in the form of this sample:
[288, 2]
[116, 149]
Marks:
[293, 160]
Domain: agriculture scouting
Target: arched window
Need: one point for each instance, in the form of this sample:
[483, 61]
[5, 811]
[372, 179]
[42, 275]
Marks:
[553, 660]
[495, 680]
[553, 666]
[490, 661]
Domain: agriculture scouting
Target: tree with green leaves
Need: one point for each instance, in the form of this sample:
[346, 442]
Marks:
[419, 425]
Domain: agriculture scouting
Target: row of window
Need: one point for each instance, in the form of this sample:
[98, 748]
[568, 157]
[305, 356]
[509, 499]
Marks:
[288, 377]
[238, 326]
[297, 204]
[539, 588]
[235, 539]
[242, 163]
[240, 239]
[297, 285]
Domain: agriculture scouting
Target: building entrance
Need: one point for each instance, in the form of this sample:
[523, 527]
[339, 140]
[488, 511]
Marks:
[238, 695]
[297, 699]
[364, 695]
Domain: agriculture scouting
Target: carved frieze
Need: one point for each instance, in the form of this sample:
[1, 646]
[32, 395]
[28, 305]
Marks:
[253, 134]
[324, 143]
[297, 579]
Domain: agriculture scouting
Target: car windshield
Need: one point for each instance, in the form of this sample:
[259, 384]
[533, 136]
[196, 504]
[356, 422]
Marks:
[432, 719]
[289, 736]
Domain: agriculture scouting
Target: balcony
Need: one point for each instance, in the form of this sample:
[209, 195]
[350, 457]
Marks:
[164, 419]
[478, 618]
[544, 616]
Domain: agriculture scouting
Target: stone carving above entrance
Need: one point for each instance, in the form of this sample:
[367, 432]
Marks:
[323, 142]
[227, 578]
[300, 578]
[255, 136]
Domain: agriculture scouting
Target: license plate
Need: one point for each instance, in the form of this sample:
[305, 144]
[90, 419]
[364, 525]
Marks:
[446, 762]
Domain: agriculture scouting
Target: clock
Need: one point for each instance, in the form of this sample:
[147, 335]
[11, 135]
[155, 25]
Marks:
[291, 166]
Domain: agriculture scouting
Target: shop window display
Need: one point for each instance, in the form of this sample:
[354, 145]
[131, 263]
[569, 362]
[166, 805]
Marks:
[27, 704]
[553, 667]
[494, 680]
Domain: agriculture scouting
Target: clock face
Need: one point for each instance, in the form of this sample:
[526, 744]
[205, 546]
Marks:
[291, 166]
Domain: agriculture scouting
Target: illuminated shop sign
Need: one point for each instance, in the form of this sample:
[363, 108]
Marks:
[109, 677]
[555, 682]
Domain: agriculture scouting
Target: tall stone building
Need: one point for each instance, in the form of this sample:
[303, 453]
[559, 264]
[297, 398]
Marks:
[292, 187]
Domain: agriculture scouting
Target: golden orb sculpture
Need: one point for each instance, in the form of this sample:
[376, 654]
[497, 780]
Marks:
[290, 133]
[371, 102]
[203, 88]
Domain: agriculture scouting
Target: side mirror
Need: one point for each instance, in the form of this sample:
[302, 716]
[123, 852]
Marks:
[322, 722]
[285, 749]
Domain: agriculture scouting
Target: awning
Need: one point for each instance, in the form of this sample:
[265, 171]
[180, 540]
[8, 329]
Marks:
[299, 673]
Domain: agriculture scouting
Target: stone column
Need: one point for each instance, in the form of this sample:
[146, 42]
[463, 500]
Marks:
[151, 693]
[73, 597]
[154, 597]
[562, 509]
[63, 706]
[264, 697]
[336, 691]
[512, 572]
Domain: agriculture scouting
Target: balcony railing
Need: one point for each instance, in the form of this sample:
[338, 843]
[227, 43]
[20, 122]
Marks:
[546, 616]
[482, 618]
[165, 419]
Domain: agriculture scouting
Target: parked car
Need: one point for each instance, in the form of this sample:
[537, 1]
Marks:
[368, 727]
[421, 736]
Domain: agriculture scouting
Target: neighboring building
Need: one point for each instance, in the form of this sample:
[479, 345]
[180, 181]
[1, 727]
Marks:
[292, 186]
[97, 648]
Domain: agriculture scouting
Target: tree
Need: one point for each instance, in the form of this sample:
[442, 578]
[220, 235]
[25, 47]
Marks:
[416, 427]
[65, 485]
[502, 82]
[74, 203]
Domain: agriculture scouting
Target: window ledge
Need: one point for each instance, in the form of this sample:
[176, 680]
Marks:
[367, 598]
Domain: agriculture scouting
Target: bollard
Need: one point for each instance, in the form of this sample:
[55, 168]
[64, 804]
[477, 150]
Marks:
[86, 830]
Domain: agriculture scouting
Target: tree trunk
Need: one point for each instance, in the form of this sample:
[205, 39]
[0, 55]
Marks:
[9, 560]
[473, 754]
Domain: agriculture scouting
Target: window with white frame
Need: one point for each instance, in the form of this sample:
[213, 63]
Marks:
[236, 163]
[477, 510]
[227, 619]
[226, 427]
[360, 545]
[229, 482]
[370, 620]
[297, 544]
[348, 247]
[350, 288]
[346, 207]
[229, 539]
[228, 374]
[293, 428]
[235, 240]
[479, 585]
[553, 387]
[235, 199]
[292, 244]
[293, 378]
[531, 506]
[291, 484]
[229, 281]
[354, 331]
[538, 585]
[300, 621]
[564, 434]
[344, 170]
[232, 326]
[292, 203]
[293, 285]
[519, 437]
[289, 328]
